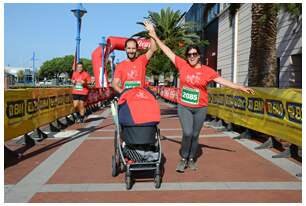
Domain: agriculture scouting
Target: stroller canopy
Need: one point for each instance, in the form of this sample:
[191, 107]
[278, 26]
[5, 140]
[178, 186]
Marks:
[138, 107]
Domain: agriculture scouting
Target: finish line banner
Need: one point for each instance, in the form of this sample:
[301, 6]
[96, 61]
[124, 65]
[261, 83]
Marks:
[272, 111]
[28, 109]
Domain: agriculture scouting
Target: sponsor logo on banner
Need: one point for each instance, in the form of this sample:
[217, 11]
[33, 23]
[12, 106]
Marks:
[239, 102]
[275, 108]
[256, 105]
[294, 112]
[60, 100]
[15, 109]
[229, 100]
[32, 106]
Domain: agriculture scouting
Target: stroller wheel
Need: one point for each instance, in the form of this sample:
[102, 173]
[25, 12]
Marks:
[114, 166]
[122, 168]
[128, 182]
[157, 181]
[115, 139]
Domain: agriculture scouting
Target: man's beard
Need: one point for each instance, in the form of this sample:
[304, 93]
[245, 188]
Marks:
[130, 56]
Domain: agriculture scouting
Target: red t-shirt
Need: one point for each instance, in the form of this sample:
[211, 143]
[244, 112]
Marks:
[193, 81]
[78, 88]
[132, 73]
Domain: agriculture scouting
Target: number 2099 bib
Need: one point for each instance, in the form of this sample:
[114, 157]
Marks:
[190, 96]
[131, 84]
[78, 87]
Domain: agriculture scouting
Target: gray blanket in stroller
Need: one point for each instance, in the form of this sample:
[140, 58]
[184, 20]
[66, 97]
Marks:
[140, 155]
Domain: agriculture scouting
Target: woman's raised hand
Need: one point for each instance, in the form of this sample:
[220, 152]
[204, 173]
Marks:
[150, 28]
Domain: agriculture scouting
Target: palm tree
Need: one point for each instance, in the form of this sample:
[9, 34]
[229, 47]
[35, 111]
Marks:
[175, 34]
[263, 60]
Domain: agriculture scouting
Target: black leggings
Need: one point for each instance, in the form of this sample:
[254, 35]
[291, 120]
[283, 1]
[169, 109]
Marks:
[192, 120]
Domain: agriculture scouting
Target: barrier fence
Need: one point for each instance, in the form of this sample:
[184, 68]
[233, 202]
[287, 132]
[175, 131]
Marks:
[272, 111]
[29, 109]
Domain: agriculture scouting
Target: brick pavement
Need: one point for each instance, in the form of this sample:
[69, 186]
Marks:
[78, 169]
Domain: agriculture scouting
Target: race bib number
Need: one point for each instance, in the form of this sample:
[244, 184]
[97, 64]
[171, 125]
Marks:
[78, 87]
[131, 84]
[190, 96]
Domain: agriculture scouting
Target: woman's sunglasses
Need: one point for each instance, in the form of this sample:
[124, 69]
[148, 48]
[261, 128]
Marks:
[195, 54]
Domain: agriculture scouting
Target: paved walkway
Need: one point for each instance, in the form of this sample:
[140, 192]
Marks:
[75, 166]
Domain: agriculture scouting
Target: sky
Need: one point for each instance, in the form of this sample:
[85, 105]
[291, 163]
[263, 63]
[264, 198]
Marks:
[49, 30]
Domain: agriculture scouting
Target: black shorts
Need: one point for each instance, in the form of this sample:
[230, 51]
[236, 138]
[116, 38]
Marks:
[79, 97]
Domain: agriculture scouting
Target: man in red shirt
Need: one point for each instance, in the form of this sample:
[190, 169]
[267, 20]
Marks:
[131, 72]
[80, 79]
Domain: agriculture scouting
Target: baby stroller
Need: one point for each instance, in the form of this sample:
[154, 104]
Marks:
[137, 138]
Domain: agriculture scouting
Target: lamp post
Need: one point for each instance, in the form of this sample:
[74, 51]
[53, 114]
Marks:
[33, 68]
[102, 44]
[113, 63]
[78, 13]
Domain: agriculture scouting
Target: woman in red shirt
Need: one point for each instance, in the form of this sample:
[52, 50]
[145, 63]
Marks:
[192, 96]
[80, 79]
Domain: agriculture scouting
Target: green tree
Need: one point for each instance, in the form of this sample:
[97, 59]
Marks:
[175, 34]
[20, 75]
[87, 64]
[54, 67]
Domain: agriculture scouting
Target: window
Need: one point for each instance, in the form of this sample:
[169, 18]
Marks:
[296, 70]
[212, 13]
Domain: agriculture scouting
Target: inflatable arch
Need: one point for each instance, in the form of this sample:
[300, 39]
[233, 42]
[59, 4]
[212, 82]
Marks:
[112, 43]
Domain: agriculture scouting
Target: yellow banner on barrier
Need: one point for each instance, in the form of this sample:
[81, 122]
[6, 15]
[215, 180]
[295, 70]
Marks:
[272, 111]
[28, 109]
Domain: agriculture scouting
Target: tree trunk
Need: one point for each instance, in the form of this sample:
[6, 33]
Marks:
[262, 62]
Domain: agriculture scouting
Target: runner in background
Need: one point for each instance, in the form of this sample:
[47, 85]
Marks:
[80, 80]
[192, 96]
[132, 71]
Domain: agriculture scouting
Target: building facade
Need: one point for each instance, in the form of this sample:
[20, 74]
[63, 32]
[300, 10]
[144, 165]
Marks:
[27, 74]
[230, 43]
[195, 15]
[204, 16]
[210, 33]
[289, 50]
[234, 43]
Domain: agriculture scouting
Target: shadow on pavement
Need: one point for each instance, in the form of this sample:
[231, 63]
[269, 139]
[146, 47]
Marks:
[44, 149]
[169, 117]
[168, 111]
[94, 119]
[200, 148]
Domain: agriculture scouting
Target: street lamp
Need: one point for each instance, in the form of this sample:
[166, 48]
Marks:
[78, 13]
[102, 44]
[33, 68]
[113, 63]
